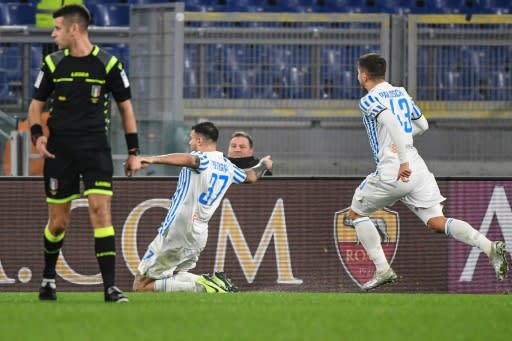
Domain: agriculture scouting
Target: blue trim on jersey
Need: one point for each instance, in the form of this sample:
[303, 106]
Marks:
[177, 199]
[447, 230]
[239, 175]
[370, 124]
[203, 161]
[360, 220]
[148, 254]
[363, 184]
[371, 106]
[416, 112]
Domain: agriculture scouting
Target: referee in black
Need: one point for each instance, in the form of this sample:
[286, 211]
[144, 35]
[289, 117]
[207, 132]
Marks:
[76, 81]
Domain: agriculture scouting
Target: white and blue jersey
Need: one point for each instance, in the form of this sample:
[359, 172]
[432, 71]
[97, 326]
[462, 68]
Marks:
[382, 188]
[200, 191]
[184, 231]
[397, 100]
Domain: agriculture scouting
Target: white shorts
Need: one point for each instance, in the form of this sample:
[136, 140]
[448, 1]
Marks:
[164, 257]
[374, 193]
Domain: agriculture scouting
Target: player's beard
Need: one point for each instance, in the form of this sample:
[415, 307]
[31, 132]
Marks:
[362, 87]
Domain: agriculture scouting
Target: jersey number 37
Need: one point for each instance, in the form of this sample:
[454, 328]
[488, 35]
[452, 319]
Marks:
[218, 183]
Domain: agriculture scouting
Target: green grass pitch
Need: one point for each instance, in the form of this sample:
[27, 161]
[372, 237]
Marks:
[257, 316]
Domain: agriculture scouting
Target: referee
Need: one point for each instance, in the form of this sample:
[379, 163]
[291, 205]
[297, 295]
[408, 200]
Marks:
[76, 81]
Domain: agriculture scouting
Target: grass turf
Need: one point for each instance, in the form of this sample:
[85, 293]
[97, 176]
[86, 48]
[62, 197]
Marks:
[257, 316]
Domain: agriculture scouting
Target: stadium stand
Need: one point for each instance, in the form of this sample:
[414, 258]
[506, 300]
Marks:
[5, 94]
[190, 74]
[272, 71]
[121, 51]
[147, 2]
[36, 60]
[12, 62]
[88, 3]
[494, 6]
[13, 13]
[459, 68]
[113, 14]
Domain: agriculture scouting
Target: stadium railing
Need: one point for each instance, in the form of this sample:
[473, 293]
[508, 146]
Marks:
[300, 69]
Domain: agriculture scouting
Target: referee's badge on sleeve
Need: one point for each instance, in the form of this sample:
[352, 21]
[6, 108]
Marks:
[126, 82]
[39, 78]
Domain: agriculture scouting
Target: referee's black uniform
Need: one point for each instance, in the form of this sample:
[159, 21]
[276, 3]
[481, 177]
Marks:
[78, 91]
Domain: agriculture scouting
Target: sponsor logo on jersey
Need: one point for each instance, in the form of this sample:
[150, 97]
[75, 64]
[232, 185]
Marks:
[79, 74]
[103, 184]
[351, 252]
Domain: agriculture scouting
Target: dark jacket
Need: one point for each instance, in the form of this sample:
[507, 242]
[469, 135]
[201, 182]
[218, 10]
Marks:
[246, 162]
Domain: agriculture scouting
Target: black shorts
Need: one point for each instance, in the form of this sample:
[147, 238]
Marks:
[89, 159]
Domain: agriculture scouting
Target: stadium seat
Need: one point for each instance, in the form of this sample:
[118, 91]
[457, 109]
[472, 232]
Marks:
[459, 74]
[36, 60]
[338, 71]
[5, 94]
[13, 13]
[88, 3]
[339, 6]
[121, 51]
[426, 86]
[145, 2]
[429, 7]
[494, 6]
[10, 72]
[289, 6]
[243, 5]
[499, 86]
[373, 6]
[298, 71]
[110, 14]
[494, 72]
[11, 61]
[190, 72]
[232, 61]
[214, 85]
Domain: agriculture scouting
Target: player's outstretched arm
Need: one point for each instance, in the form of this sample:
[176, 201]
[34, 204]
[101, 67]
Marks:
[174, 159]
[256, 172]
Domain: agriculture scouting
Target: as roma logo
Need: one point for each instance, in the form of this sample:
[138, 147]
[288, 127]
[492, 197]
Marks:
[351, 252]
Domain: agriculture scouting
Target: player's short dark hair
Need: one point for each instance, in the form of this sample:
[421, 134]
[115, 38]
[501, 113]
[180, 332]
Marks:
[243, 134]
[373, 64]
[208, 130]
[74, 13]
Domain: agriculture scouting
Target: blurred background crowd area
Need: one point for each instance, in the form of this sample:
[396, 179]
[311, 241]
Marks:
[116, 12]
[285, 72]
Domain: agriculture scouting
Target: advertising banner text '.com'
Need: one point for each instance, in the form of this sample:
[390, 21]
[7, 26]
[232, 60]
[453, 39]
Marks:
[280, 234]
